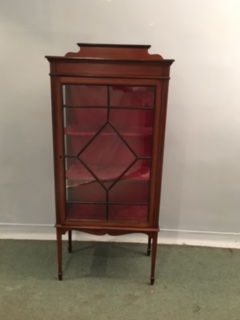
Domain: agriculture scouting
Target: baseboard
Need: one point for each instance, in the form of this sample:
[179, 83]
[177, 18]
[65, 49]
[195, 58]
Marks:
[166, 236]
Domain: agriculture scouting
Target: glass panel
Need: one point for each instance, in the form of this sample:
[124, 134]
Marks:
[86, 211]
[80, 127]
[128, 212]
[84, 119]
[84, 95]
[81, 186]
[131, 96]
[135, 126]
[130, 191]
[76, 171]
[107, 156]
[77, 191]
[133, 187]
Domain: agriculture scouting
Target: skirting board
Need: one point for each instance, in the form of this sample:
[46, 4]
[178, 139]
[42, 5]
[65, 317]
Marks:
[166, 236]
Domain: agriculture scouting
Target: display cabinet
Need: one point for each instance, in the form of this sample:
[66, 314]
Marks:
[108, 113]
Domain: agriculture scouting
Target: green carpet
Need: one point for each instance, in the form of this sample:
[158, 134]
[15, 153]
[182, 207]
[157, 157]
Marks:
[111, 281]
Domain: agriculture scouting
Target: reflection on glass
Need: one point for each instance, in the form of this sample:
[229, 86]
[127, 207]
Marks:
[133, 187]
[107, 155]
[131, 96]
[84, 95]
[81, 125]
[81, 186]
[128, 213]
[135, 126]
[86, 211]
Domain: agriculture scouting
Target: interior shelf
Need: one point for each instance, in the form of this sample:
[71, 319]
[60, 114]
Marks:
[67, 106]
[75, 172]
[108, 96]
[135, 132]
[99, 212]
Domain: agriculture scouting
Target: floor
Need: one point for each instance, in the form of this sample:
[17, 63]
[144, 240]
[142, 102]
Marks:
[111, 281]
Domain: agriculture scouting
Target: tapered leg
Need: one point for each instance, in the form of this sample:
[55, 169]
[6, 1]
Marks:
[149, 245]
[59, 253]
[153, 258]
[70, 241]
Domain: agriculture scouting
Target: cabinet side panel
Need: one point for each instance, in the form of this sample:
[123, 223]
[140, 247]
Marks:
[158, 149]
[57, 122]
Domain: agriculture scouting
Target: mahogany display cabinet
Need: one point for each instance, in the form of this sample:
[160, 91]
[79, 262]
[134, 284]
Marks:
[108, 112]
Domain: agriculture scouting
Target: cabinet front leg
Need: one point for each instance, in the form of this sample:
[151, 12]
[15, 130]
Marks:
[70, 241]
[153, 258]
[59, 253]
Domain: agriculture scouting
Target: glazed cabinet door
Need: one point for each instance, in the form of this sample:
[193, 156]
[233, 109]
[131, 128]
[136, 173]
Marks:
[107, 158]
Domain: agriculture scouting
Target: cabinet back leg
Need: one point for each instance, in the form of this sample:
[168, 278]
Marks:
[59, 253]
[149, 245]
[70, 241]
[153, 258]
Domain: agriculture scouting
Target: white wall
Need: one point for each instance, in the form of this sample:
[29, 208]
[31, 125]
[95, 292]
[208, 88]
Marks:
[201, 188]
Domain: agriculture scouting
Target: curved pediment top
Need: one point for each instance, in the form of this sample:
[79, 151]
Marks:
[114, 52]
